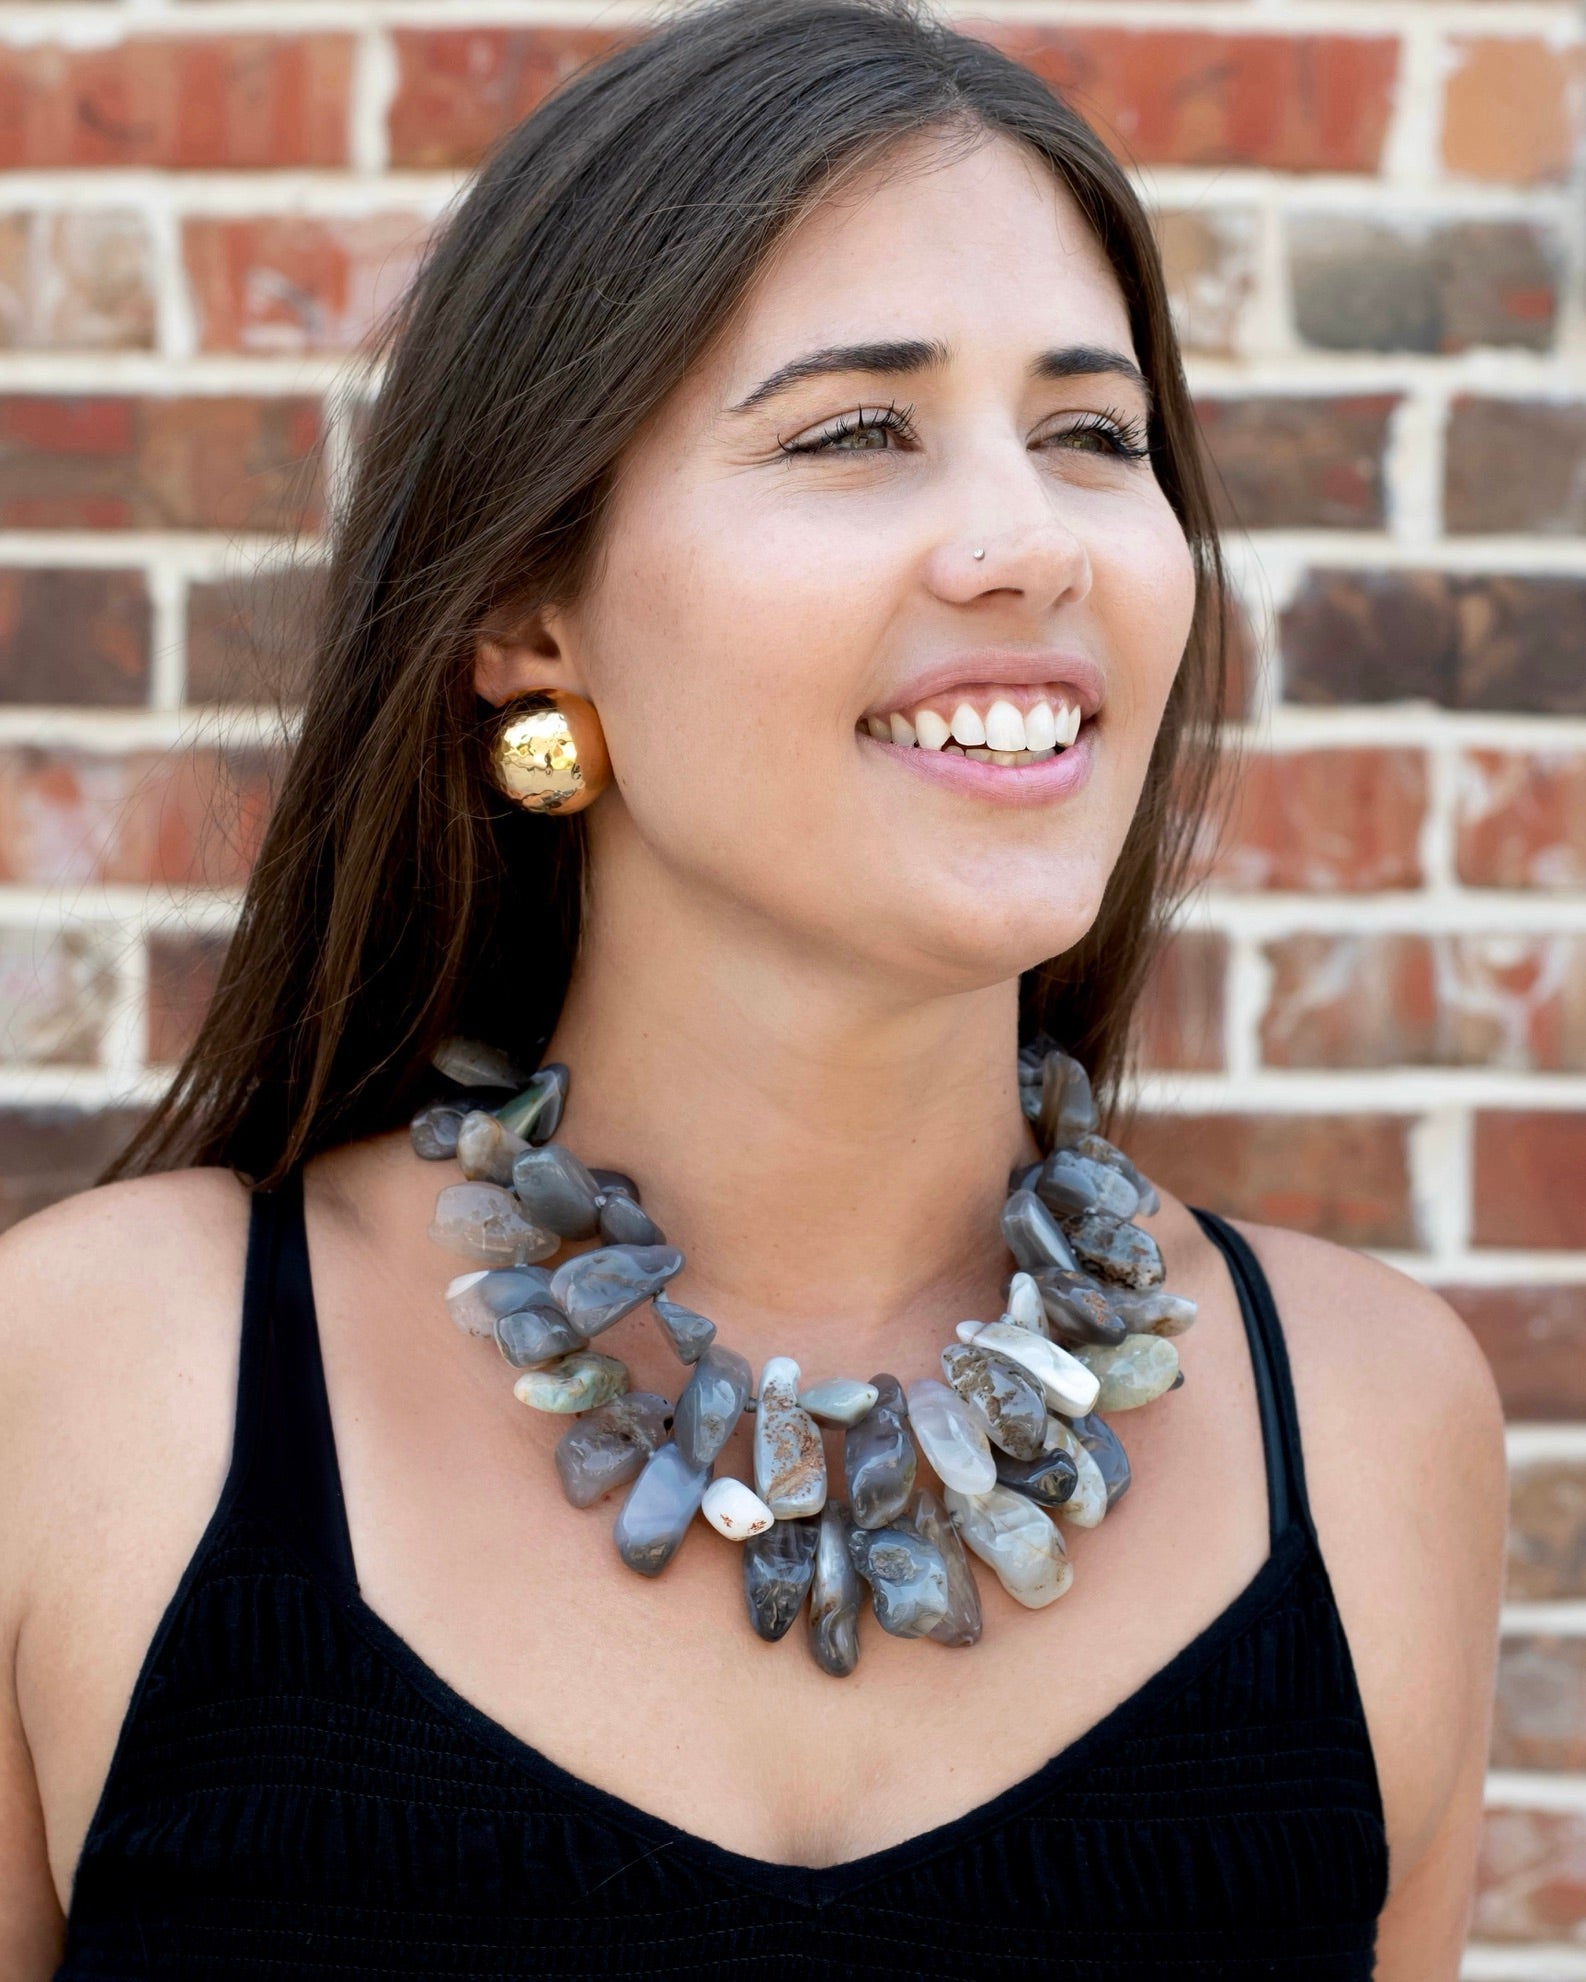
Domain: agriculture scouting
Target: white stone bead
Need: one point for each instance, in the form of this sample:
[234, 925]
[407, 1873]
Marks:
[735, 1510]
[1067, 1384]
[1015, 1540]
[1087, 1504]
[789, 1458]
[1138, 1371]
[1025, 1306]
[950, 1437]
[841, 1400]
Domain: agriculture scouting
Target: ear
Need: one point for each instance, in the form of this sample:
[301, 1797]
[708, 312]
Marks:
[532, 653]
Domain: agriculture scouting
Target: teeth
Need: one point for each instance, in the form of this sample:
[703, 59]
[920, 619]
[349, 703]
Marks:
[878, 726]
[902, 729]
[1005, 756]
[1040, 727]
[978, 751]
[957, 749]
[930, 732]
[1004, 727]
[967, 726]
[1069, 728]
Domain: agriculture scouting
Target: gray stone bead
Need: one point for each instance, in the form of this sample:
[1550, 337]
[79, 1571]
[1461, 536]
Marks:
[1022, 1177]
[778, 1568]
[1048, 1481]
[1100, 1150]
[475, 1300]
[615, 1180]
[1012, 1408]
[579, 1381]
[1078, 1309]
[930, 1520]
[601, 1286]
[1155, 1313]
[711, 1404]
[659, 1506]
[841, 1400]
[1117, 1250]
[1034, 1236]
[471, 1063]
[606, 1448]
[879, 1459]
[433, 1130]
[789, 1455]
[1086, 1506]
[556, 1190]
[1016, 1541]
[485, 1224]
[1137, 1372]
[1068, 1109]
[1103, 1444]
[1070, 1184]
[907, 1578]
[535, 1113]
[835, 1596]
[533, 1335]
[689, 1334]
[485, 1150]
[625, 1222]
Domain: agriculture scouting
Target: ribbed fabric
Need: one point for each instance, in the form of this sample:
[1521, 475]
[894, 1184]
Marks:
[296, 1794]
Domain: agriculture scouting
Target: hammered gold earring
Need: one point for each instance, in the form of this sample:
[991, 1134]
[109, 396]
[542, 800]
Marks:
[547, 752]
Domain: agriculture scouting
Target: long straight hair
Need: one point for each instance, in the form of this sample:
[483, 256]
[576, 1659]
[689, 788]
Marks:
[395, 898]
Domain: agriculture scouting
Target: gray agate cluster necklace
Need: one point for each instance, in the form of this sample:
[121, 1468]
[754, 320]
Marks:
[1016, 1432]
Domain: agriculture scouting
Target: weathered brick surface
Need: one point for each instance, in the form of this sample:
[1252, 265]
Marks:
[1364, 284]
[1531, 1877]
[47, 1153]
[298, 282]
[1511, 109]
[1181, 1023]
[76, 281]
[1293, 463]
[1344, 1177]
[1346, 821]
[114, 463]
[1529, 1166]
[1521, 819]
[1547, 1532]
[1516, 465]
[458, 90]
[1376, 1000]
[1505, 641]
[248, 637]
[206, 100]
[56, 989]
[74, 637]
[1541, 1717]
[1210, 263]
[183, 968]
[1535, 1339]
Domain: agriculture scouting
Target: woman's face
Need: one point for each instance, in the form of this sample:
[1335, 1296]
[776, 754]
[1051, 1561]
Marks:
[935, 364]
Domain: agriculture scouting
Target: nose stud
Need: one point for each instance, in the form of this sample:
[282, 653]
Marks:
[977, 555]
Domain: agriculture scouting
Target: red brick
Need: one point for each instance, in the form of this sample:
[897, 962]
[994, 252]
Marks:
[1511, 109]
[249, 640]
[74, 637]
[1531, 1876]
[1209, 259]
[1324, 820]
[1180, 96]
[240, 100]
[183, 968]
[1373, 1000]
[1547, 1532]
[459, 89]
[1180, 1020]
[76, 281]
[1529, 1167]
[1345, 1177]
[1516, 465]
[1521, 819]
[1535, 1339]
[50, 1153]
[1506, 641]
[1300, 462]
[186, 819]
[115, 463]
[56, 991]
[298, 282]
[1540, 1721]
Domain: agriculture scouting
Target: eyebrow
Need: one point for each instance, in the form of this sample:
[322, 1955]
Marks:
[902, 356]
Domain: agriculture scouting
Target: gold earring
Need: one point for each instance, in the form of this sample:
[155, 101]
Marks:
[548, 754]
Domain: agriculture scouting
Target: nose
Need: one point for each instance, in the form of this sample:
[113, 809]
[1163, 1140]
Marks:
[1006, 534]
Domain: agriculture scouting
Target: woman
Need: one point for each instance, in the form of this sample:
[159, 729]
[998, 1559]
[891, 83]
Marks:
[796, 392]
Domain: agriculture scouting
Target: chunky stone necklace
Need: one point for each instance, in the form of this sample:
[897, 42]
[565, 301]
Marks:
[1016, 1432]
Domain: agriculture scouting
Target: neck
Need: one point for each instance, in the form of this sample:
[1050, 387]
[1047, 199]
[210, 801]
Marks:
[831, 1156]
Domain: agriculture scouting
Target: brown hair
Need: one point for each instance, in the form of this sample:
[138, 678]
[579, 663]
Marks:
[395, 898]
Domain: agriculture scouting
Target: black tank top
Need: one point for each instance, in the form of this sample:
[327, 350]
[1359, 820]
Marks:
[295, 1794]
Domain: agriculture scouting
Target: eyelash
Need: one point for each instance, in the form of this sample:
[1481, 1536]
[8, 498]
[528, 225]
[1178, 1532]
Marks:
[1125, 436]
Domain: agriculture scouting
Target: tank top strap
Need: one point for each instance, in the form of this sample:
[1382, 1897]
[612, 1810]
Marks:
[1287, 1500]
[284, 1471]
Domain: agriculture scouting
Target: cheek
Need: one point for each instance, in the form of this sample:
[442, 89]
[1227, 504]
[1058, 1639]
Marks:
[1145, 589]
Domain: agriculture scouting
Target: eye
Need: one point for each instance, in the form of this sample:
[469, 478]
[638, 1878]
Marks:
[1113, 436]
[867, 430]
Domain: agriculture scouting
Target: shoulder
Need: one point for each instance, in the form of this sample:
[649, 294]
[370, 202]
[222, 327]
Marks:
[1402, 1434]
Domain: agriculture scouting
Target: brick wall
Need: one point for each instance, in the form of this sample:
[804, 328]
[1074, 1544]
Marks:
[1373, 216]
